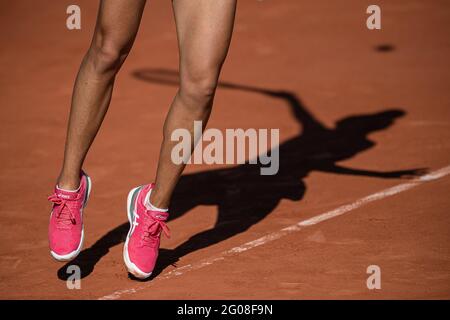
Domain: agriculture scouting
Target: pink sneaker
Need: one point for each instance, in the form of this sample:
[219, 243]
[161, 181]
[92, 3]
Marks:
[142, 244]
[65, 231]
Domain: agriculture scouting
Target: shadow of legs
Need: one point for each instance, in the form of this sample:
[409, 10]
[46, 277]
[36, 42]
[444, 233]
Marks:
[88, 258]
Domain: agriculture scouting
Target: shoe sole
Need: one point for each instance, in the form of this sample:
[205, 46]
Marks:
[131, 267]
[73, 254]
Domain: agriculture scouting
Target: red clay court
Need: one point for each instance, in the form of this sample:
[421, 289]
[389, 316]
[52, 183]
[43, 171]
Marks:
[364, 119]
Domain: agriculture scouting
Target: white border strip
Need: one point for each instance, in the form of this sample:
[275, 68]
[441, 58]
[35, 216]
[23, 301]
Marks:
[435, 175]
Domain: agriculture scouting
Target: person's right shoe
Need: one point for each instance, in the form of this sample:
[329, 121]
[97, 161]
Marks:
[142, 244]
[65, 231]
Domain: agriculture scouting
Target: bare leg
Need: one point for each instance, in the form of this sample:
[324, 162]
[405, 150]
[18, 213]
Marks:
[204, 29]
[117, 25]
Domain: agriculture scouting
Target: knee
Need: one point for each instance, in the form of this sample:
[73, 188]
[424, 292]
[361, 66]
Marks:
[107, 57]
[198, 85]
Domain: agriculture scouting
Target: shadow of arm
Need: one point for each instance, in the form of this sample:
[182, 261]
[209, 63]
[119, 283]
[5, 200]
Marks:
[405, 174]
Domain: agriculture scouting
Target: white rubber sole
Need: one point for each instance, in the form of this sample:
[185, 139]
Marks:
[131, 267]
[73, 254]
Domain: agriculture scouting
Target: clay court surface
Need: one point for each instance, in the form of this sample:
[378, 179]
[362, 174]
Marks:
[359, 112]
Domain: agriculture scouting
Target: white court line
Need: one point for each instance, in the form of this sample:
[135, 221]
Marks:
[288, 230]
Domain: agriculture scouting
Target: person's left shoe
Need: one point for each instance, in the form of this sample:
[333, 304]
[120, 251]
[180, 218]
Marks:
[142, 244]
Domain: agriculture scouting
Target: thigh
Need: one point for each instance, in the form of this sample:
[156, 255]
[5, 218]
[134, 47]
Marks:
[117, 23]
[204, 29]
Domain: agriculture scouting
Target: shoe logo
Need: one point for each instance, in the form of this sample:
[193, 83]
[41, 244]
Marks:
[133, 225]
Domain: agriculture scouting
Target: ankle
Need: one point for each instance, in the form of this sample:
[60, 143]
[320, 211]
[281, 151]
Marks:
[68, 182]
[157, 200]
